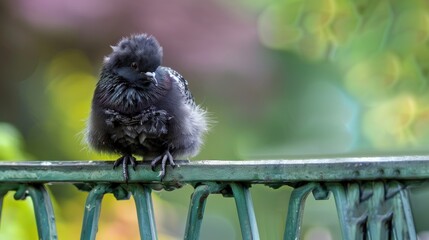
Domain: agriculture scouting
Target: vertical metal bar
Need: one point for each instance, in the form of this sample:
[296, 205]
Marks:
[246, 213]
[380, 212]
[402, 222]
[341, 202]
[92, 212]
[143, 200]
[296, 210]
[2, 195]
[43, 211]
[196, 212]
[351, 213]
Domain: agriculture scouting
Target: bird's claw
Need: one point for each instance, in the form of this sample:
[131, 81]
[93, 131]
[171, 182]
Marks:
[125, 161]
[163, 159]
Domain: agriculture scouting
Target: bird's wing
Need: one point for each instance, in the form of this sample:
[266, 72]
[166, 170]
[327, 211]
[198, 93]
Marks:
[182, 84]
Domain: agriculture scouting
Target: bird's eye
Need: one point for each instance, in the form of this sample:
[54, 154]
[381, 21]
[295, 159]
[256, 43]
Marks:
[134, 65]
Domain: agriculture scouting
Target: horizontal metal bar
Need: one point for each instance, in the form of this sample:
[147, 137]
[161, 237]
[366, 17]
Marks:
[261, 171]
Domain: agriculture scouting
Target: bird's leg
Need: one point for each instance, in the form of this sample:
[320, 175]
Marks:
[125, 160]
[163, 159]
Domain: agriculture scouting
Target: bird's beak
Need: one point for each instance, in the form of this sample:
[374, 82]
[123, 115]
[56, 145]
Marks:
[151, 76]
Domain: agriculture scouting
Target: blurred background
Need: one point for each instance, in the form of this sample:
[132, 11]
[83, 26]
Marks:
[281, 79]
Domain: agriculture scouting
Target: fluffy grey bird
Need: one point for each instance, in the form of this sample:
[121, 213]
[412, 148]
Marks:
[142, 108]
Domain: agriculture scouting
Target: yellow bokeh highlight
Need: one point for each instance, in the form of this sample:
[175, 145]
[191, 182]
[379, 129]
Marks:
[380, 48]
[71, 84]
[317, 15]
[345, 22]
[372, 78]
[67, 62]
[388, 124]
[11, 143]
[279, 24]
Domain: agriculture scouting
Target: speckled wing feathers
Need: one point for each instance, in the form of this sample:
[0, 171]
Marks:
[182, 84]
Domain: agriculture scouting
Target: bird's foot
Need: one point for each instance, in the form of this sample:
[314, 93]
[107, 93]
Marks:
[163, 159]
[125, 161]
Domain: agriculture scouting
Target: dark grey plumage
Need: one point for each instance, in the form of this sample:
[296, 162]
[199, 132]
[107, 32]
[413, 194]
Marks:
[142, 108]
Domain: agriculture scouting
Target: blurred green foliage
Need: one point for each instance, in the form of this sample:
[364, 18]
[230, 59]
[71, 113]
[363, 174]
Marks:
[11, 143]
[279, 78]
[15, 213]
[379, 48]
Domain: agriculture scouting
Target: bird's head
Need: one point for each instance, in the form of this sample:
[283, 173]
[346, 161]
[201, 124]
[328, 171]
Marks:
[135, 59]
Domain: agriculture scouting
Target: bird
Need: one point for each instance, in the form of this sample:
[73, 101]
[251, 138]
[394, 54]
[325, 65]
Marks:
[140, 108]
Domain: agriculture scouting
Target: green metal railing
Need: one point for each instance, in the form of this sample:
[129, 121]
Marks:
[371, 193]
